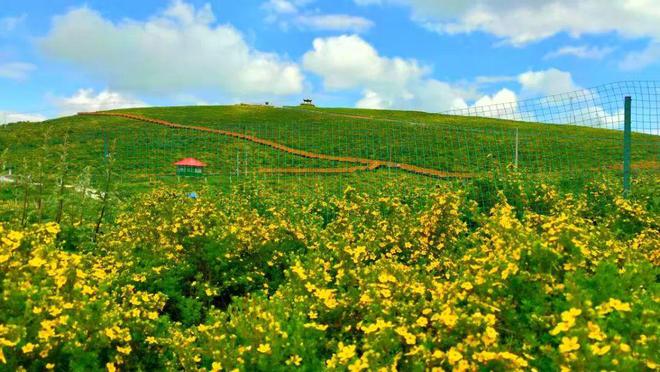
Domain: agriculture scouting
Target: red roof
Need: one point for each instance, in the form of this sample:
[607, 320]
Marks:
[190, 162]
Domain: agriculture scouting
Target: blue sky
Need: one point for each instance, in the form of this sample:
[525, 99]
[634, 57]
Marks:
[58, 57]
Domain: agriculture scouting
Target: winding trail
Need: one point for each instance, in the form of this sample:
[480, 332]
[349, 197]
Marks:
[367, 164]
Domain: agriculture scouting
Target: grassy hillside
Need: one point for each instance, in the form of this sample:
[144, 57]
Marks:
[479, 146]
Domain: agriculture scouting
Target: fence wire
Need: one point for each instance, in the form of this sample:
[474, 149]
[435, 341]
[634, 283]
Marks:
[567, 139]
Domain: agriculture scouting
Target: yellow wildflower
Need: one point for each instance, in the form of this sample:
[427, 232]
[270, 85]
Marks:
[320, 327]
[569, 344]
[37, 262]
[599, 350]
[453, 356]
[409, 337]
[264, 348]
[124, 349]
[490, 336]
[346, 352]
[295, 360]
[27, 348]
[594, 332]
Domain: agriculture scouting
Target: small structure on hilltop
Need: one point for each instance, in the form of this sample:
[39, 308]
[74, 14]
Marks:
[190, 167]
[307, 102]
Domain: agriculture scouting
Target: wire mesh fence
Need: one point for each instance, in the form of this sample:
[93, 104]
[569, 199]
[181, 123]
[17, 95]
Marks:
[567, 139]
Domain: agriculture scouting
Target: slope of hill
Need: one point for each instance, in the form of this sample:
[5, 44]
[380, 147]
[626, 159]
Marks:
[451, 145]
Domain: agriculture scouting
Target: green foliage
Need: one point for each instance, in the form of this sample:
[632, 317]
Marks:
[360, 281]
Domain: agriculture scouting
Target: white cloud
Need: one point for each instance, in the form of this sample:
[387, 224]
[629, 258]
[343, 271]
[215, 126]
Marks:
[85, 100]
[547, 82]
[494, 79]
[521, 22]
[180, 49]
[504, 96]
[501, 105]
[348, 62]
[280, 7]
[16, 70]
[582, 51]
[292, 13]
[334, 22]
[13, 117]
[640, 59]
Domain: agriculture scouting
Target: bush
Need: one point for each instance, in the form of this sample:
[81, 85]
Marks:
[361, 282]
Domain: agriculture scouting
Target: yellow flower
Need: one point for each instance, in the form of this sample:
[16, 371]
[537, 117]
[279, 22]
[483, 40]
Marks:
[111, 367]
[490, 336]
[320, 327]
[371, 328]
[409, 337]
[50, 366]
[594, 332]
[618, 305]
[599, 350]
[264, 348]
[37, 262]
[386, 277]
[346, 352]
[216, 366]
[328, 297]
[447, 318]
[569, 344]
[124, 349]
[294, 359]
[467, 286]
[27, 348]
[422, 321]
[453, 356]
[385, 293]
[624, 347]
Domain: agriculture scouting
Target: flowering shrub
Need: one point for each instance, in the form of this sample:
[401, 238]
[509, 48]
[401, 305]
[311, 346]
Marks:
[357, 282]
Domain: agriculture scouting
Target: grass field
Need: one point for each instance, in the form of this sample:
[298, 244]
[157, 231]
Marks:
[441, 142]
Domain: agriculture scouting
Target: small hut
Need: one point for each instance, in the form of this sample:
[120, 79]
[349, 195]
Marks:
[307, 102]
[190, 167]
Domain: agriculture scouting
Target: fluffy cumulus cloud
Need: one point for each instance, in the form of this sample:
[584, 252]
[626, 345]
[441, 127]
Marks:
[348, 62]
[520, 22]
[15, 70]
[85, 100]
[288, 13]
[581, 51]
[547, 82]
[179, 49]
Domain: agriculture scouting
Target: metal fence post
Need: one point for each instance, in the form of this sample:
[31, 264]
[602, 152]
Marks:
[516, 156]
[626, 145]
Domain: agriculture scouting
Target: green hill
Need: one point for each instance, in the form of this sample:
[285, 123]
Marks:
[479, 147]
